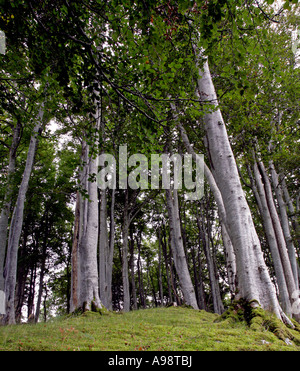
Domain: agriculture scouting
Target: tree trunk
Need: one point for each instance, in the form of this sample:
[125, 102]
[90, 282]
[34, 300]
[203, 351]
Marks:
[16, 226]
[41, 285]
[178, 250]
[214, 284]
[89, 284]
[254, 282]
[22, 272]
[125, 274]
[103, 249]
[285, 261]
[132, 276]
[4, 216]
[160, 283]
[165, 254]
[109, 269]
[75, 265]
[285, 223]
[140, 273]
[292, 214]
[260, 195]
[229, 252]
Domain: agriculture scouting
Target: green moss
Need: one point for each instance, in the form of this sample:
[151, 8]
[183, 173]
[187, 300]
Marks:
[157, 329]
[260, 320]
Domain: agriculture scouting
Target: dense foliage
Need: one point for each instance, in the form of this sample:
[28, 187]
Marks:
[129, 63]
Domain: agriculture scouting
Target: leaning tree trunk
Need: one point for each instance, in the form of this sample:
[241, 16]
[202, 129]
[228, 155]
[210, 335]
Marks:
[178, 250]
[253, 279]
[229, 252]
[260, 195]
[285, 261]
[16, 226]
[4, 216]
[285, 222]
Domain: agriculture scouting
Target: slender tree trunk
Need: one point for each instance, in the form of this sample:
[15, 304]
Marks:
[132, 268]
[214, 284]
[254, 282]
[125, 274]
[4, 216]
[16, 226]
[178, 250]
[285, 261]
[75, 265]
[22, 272]
[109, 268]
[41, 286]
[285, 223]
[292, 213]
[229, 252]
[103, 249]
[160, 283]
[140, 274]
[260, 195]
[165, 254]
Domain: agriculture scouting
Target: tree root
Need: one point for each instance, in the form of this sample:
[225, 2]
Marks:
[261, 320]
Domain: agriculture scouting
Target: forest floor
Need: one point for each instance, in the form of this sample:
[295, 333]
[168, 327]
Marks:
[157, 329]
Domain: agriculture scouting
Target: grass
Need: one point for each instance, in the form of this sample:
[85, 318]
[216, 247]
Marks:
[160, 329]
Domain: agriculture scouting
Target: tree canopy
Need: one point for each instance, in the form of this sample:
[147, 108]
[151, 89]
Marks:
[83, 78]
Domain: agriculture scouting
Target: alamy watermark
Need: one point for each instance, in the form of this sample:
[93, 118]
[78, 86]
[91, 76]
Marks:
[134, 172]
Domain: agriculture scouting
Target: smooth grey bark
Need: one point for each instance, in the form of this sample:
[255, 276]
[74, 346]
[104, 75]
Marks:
[89, 284]
[16, 225]
[140, 272]
[260, 195]
[125, 273]
[292, 212]
[41, 284]
[160, 284]
[5, 211]
[214, 284]
[178, 250]
[229, 252]
[253, 280]
[103, 249]
[166, 260]
[284, 222]
[132, 269]
[109, 269]
[75, 264]
[106, 249]
[285, 261]
[89, 288]
[199, 290]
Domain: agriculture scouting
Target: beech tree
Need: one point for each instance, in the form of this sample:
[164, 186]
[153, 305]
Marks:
[218, 78]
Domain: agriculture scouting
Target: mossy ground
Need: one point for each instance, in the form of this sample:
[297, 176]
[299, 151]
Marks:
[160, 329]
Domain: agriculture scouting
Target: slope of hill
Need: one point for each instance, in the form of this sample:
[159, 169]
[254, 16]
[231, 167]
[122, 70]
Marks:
[160, 329]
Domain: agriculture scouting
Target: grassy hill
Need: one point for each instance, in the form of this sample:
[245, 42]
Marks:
[160, 329]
